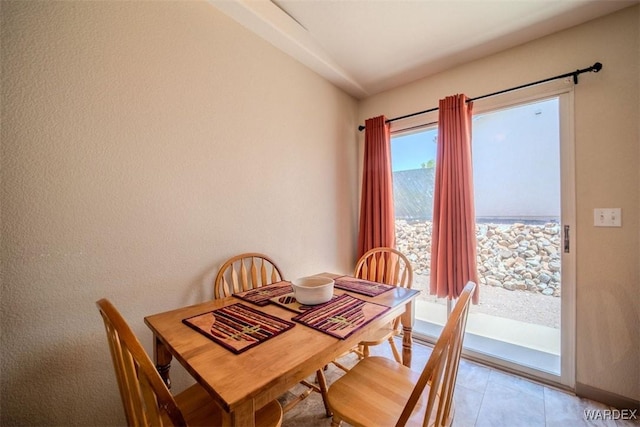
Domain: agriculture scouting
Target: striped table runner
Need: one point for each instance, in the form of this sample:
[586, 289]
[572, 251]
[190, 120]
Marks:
[361, 286]
[238, 327]
[342, 316]
[290, 302]
[261, 296]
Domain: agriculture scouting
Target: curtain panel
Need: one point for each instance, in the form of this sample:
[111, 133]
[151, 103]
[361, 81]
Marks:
[453, 241]
[377, 218]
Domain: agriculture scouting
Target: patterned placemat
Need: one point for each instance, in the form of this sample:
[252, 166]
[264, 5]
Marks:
[238, 327]
[361, 286]
[290, 302]
[342, 316]
[261, 296]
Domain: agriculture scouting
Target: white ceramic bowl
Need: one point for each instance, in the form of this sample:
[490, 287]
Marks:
[313, 290]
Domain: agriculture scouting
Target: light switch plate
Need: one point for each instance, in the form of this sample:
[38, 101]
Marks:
[607, 217]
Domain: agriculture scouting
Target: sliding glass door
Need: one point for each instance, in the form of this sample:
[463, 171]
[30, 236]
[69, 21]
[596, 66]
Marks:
[523, 175]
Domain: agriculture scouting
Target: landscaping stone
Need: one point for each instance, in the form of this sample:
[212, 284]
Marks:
[517, 257]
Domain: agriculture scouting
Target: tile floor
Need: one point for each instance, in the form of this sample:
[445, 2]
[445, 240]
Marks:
[485, 397]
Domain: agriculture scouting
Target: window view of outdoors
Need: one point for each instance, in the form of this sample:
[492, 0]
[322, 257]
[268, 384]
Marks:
[516, 164]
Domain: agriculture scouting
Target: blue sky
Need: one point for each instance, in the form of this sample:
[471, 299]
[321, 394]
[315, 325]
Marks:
[410, 151]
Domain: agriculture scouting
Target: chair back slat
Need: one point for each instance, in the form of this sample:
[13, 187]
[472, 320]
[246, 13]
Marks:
[145, 397]
[373, 269]
[235, 282]
[433, 398]
[135, 393]
[245, 271]
[381, 271]
[153, 415]
[244, 281]
[224, 287]
[118, 363]
[364, 271]
[453, 366]
[393, 269]
[259, 280]
[441, 370]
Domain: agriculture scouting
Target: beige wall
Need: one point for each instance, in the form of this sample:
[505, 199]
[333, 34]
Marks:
[607, 153]
[142, 144]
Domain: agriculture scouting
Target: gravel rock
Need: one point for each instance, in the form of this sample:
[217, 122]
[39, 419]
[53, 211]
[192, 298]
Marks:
[515, 256]
[518, 268]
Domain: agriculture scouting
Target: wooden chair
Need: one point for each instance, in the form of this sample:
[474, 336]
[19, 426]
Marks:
[146, 399]
[382, 392]
[243, 272]
[249, 271]
[390, 266]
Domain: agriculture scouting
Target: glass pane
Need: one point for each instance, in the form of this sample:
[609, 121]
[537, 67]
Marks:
[413, 163]
[516, 160]
[517, 197]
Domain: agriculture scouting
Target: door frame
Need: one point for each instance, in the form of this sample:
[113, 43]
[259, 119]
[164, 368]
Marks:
[564, 91]
[565, 95]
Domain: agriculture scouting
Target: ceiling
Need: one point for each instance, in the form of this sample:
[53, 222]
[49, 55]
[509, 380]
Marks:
[369, 46]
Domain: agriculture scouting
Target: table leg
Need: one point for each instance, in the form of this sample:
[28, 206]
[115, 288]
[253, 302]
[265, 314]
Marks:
[162, 357]
[242, 416]
[407, 337]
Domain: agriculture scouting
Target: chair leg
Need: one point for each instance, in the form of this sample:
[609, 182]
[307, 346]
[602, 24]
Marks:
[394, 350]
[335, 421]
[359, 351]
[289, 406]
[322, 382]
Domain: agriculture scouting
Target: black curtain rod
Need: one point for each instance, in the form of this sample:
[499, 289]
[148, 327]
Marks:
[594, 68]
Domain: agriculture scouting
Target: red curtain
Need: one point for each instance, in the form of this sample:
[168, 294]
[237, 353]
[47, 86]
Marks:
[377, 219]
[453, 241]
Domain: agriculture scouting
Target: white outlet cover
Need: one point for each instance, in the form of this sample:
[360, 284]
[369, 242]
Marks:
[607, 217]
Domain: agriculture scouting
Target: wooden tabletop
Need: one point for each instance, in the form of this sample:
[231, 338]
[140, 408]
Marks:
[242, 383]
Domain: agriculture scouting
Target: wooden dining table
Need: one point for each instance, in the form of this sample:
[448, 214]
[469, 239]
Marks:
[243, 383]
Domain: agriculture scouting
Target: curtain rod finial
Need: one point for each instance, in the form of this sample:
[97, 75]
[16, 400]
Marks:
[596, 67]
[360, 128]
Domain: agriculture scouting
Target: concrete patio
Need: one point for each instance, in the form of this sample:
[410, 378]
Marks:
[527, 344]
